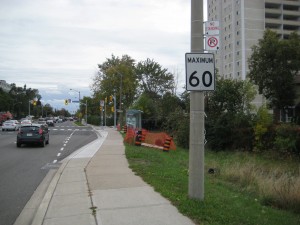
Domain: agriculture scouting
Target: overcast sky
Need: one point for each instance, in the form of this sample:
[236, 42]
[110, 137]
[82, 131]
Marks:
[56, 45]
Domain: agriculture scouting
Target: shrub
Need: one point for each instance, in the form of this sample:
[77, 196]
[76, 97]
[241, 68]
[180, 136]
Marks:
[230, 131]
[177, 124]
[286, 138]
[263, 123]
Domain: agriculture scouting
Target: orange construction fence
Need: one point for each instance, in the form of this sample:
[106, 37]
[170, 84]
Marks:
[150, 139]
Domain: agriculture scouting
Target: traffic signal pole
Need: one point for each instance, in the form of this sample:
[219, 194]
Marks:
[115, 111]
[197, 132]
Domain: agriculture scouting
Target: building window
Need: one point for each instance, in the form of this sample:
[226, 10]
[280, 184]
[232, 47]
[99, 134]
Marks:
[237, 33]
[238, 43]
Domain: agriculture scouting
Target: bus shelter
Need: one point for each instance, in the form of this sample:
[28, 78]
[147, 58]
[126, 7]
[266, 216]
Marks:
[134, 119]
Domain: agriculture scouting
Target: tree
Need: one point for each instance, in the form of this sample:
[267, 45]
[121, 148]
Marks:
[153, 79]
[273, 66]
[116, 76]
[231, 96]
[229, 119]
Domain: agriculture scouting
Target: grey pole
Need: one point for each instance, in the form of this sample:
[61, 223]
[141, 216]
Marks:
[196, 146]
[115, 111]
[85, 112]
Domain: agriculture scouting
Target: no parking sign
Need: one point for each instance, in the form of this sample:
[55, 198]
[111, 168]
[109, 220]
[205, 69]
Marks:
[212, 43]
[212, 30]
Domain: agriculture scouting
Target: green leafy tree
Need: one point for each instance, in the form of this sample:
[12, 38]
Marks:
[229, 121]
[5, 101]
[153, 79]
[273, 66]
[230, 96]
[117, 77]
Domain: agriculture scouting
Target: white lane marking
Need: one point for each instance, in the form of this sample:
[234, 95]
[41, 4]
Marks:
[55, 161]
[58, 154]
[62, 149]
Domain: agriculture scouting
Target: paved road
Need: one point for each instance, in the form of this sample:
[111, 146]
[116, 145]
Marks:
[23, 169]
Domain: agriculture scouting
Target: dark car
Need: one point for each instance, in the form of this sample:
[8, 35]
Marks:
[33, 134]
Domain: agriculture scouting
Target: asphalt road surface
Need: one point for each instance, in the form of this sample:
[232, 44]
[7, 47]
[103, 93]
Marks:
[23, 169]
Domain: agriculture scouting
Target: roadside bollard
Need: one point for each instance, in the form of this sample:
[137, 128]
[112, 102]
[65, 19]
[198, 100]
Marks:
[138, 138]
[143, 136]
[125, 128]
[167, 144]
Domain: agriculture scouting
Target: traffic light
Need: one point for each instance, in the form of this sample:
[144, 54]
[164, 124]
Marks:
[111, 98]
[100, 108]
[112, 108]
[66, 101]
[34, 103]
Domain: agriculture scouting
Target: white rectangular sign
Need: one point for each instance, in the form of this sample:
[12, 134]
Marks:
[212, 43]
[212, 28]
[200, 71]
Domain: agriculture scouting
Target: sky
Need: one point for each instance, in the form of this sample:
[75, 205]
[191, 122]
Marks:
[56, 45]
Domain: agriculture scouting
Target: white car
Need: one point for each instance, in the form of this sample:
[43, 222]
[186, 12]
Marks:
[26, 122]
[10, 125]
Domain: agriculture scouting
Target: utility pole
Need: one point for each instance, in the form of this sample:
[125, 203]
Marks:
[197, 136]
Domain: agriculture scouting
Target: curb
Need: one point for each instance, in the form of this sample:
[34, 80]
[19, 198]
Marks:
[42, 209]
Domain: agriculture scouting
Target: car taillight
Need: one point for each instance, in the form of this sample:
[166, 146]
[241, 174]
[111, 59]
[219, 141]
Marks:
[40, 131]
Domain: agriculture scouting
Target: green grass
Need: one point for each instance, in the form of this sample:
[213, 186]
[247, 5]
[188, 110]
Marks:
[224, 202]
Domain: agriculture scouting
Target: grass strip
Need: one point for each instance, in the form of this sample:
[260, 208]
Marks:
[223, 203]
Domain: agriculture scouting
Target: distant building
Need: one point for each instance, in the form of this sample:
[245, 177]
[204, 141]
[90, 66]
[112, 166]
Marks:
[5, 86]
[242, 23]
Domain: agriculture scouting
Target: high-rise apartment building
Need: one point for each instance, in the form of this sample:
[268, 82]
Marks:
[242, 23]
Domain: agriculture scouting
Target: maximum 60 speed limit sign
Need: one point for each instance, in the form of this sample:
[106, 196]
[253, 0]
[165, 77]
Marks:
[200, 71]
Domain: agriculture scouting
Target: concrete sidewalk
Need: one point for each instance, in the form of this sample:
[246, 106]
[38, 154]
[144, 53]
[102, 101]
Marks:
[95, 186]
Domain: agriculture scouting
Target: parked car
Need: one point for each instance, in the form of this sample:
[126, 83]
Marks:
[10, 125]
[33, 134]
[50, 123]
